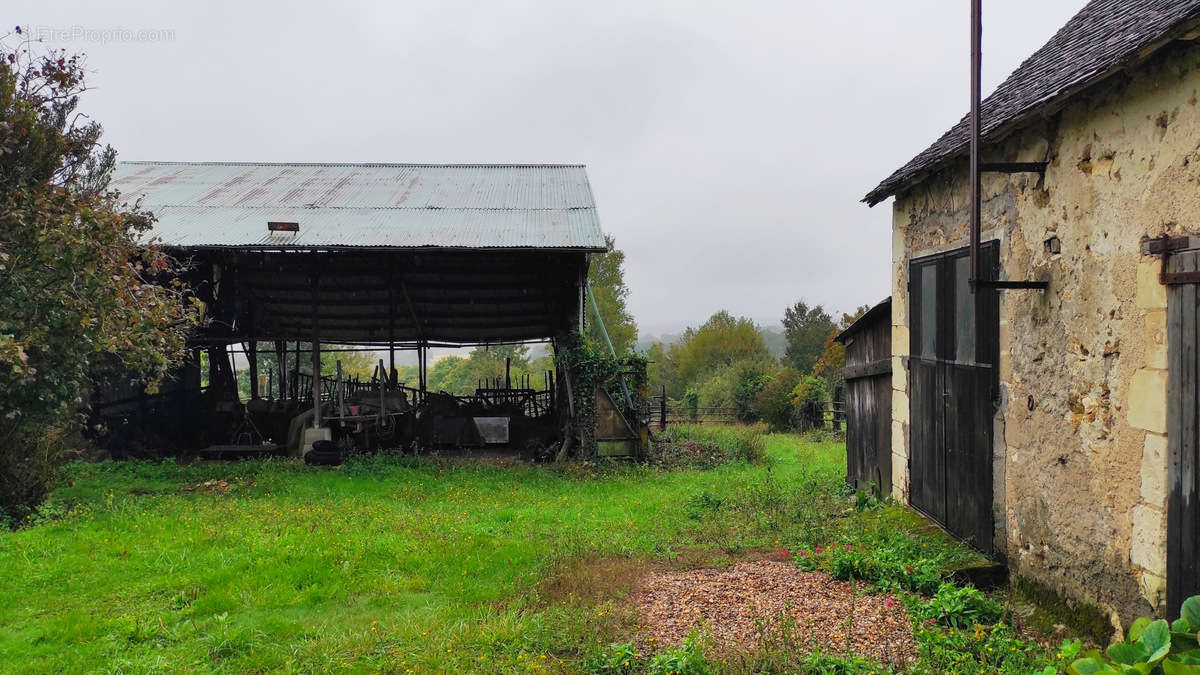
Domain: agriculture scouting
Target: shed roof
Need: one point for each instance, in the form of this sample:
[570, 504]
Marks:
[457, 206]
[879, 312]
[1105, 37]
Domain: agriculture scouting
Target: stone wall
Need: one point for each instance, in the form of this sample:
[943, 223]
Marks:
[1080, 450]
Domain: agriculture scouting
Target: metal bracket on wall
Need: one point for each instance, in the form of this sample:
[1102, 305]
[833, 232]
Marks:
[1164, 246]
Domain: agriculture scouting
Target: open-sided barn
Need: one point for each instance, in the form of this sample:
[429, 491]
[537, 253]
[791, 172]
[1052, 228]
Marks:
[386, 256]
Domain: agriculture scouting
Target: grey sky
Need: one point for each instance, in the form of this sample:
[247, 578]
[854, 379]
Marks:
[727, 143]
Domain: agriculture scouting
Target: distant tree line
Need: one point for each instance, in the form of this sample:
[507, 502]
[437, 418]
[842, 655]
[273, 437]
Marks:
[726, 363]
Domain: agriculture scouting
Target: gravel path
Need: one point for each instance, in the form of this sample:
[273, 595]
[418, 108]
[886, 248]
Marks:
[734, 602]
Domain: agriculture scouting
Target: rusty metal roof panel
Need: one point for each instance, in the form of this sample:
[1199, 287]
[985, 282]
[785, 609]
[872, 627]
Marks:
[367, 205]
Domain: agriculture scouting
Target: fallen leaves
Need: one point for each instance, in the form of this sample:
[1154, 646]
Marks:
[744, 604]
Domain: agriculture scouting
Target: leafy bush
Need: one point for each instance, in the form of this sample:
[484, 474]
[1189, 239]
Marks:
[692, 400]
[76, 282]
[960, 607]
[809, 398]
[750, 379]
[1151, 647]
[774, 403]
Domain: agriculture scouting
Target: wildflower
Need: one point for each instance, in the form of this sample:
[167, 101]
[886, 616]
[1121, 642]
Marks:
[848, 547]
[908, 569]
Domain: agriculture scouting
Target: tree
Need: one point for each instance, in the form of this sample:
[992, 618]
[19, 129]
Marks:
[354, 364]
[719, 344]
[462, 376]
[606, 278]
[806, 329]
[78, 277]
[833, 357]
[660, 371]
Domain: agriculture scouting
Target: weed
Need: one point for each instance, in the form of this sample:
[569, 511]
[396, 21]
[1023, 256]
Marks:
[960, 607]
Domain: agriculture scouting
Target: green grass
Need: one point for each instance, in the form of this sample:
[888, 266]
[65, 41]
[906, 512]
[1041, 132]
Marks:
[387, 563]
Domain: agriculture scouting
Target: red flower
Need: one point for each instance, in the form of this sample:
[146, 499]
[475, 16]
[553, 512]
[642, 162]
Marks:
[848, 547]
[908, 569]
[891, 602]
[817, 550]
[804, 553]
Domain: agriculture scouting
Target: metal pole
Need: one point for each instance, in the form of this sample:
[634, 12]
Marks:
[611, 350]
[976, 59]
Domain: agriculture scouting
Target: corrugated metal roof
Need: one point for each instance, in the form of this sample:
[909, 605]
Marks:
[367, 205]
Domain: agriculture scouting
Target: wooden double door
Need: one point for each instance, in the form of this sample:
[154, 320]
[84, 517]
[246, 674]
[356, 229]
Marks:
[953, 381]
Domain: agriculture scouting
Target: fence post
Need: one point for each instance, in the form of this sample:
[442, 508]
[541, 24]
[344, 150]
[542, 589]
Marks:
[662, 409]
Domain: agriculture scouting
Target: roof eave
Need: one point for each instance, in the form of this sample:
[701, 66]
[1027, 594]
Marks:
[898, 182]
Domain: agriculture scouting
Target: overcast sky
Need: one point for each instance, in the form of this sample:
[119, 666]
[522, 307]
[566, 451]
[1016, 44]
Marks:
[728, 144]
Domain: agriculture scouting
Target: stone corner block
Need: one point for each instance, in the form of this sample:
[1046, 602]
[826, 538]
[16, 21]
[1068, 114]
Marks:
[1151, 294]
[1147, 404]
[1154, 470]
[1148, 540]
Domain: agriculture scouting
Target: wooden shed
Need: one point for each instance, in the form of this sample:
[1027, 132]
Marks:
[868, 374]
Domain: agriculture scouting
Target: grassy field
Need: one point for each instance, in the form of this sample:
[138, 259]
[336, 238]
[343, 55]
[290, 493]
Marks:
[387, 563]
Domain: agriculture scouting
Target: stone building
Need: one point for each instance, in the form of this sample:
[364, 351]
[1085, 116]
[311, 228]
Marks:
[1057, 427]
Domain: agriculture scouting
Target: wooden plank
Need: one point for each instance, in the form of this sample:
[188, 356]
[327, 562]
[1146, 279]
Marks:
[1189, 467]
[871, 369]
[883, 448]
[1180, 363]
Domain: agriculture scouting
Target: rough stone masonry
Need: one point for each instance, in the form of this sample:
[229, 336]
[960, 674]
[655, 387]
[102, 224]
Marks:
[1080, 480]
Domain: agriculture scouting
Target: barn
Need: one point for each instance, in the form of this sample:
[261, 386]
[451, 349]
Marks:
[1045, 385]
[291, 259]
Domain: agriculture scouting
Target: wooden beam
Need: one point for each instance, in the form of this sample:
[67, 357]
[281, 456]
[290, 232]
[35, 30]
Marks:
[316, 354]
[879, 367]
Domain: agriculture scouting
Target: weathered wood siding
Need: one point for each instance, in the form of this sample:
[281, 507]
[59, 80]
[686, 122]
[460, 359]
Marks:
[1183, 434]
[868, 374]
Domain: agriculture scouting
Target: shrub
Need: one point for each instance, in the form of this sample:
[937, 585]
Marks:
[749, 382]
[774, 402]
[810, 397]
[961, 607]
[76, 281]
[691, 399]
[27, 475]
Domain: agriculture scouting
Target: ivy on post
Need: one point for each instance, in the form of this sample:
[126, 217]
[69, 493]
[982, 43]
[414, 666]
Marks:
[587, 368]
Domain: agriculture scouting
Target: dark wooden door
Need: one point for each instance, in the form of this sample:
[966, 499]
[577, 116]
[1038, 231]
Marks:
[1183, 441]
[952, 388]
